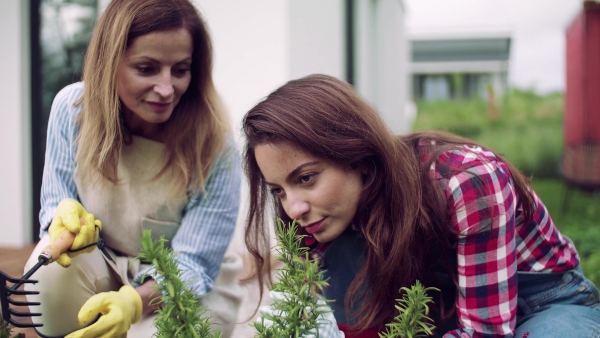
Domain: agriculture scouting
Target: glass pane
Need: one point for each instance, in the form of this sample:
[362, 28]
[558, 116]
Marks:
[66, 28]
[61, 30]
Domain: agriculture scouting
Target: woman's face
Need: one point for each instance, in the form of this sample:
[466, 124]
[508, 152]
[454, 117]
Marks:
[320, 195]
[153, 75]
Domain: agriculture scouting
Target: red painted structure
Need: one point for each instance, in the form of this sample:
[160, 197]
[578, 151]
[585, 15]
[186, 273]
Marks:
[581, 162]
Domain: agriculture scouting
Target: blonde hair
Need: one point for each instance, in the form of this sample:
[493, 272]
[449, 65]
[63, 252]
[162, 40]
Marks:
[194, 134]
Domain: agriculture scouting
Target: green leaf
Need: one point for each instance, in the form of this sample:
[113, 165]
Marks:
[181, 313]
[302, 279]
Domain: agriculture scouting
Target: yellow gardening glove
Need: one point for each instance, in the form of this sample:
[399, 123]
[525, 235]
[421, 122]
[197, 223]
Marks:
[119, 309]
[71, 216]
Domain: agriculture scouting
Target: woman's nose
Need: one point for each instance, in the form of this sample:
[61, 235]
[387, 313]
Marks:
[164, 86]
[297, 207]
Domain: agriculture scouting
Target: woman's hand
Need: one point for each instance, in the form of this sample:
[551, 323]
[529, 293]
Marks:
[118, 310]
[71, 216]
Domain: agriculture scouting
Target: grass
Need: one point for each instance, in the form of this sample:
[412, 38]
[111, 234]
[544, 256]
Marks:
[580, 221]
[527, 129]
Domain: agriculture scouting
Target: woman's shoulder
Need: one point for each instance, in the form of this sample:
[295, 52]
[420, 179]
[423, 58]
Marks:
[65, 101]
[229, 154]
[466, 160]
[466, 155]
[72, 92]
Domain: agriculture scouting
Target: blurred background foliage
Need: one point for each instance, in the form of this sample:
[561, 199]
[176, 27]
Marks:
[66, 29]
[524, 126]
[527, 128]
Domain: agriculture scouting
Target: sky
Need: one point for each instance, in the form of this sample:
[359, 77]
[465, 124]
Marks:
[537, 28]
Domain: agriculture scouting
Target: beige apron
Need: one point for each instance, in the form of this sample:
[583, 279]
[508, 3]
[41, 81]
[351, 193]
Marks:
[138, 201]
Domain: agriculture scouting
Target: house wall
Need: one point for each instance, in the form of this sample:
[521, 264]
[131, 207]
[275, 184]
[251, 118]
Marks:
[251, 50]
[15, 166]
[382, 57]
[317, 38]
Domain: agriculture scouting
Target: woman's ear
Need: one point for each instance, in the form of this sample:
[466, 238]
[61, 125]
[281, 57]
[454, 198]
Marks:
[363, 170]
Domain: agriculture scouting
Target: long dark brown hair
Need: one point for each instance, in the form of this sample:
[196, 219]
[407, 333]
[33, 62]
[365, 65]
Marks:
[196, 131]
[402, 215]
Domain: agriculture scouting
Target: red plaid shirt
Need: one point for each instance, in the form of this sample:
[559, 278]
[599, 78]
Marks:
[493, 241]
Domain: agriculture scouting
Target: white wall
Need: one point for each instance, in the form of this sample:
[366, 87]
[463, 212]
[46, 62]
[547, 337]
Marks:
[15, 136]
[382, 60]
[317, 38]
[260, 45]
[251, 50]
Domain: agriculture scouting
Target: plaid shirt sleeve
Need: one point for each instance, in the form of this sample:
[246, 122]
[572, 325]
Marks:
[482, 206]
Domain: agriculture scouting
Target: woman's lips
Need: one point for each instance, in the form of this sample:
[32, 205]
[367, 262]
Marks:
[159, 106]
[313, 227]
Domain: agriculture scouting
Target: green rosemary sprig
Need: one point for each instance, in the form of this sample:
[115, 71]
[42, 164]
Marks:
[412, 320]
[302, 281]
[181, 312]
[6, 330]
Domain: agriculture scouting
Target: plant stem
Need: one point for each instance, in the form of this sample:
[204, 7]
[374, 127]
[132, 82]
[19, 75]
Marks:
[181, 311]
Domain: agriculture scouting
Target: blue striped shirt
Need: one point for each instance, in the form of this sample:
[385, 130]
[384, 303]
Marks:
[209, 218]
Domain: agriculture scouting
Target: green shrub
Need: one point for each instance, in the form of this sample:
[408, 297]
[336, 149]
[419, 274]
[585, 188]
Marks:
[528, 129]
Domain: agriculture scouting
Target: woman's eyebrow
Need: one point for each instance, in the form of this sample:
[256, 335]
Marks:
[295, 171]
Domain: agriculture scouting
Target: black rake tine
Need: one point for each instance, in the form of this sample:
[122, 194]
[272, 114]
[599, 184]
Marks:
[7, 301]
[21, 324]
[23, 314]
[10, 291]
[21, 303]
[14, 280]
[18, 282]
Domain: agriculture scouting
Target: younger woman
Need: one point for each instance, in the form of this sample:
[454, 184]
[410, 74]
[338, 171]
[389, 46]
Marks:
[383, 211]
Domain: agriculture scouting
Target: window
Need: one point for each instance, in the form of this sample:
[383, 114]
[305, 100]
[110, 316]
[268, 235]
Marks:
[60, 32]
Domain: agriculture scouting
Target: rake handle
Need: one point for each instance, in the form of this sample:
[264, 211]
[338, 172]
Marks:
[50, 253]
[60, 245]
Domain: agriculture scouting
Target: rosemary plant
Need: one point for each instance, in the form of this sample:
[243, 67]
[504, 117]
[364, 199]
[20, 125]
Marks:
[181, 313]
[412, 320]
[301, 281]
[6, 330]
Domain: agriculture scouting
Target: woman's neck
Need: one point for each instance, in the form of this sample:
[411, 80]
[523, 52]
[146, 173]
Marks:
[141, 128]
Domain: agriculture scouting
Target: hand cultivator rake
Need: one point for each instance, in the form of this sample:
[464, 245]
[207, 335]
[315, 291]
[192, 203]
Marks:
[48, 255]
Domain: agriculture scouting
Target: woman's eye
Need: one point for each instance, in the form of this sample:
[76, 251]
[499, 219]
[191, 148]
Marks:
[146, 70]
[306, 178]
[276, 191]
[181, 71]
